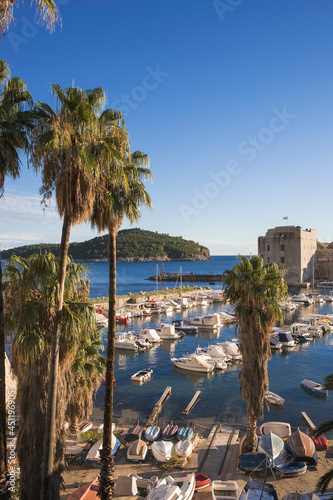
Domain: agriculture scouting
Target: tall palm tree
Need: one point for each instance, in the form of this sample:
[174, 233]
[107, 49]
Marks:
[14, 129]
[47, 9]
[326, 478]
[119, 196]
[31, 297]
[256, 290]
[66, 148]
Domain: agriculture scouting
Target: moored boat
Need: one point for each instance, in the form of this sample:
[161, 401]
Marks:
[314, 387]
[194, 363]
[274, 399]
[142, 376]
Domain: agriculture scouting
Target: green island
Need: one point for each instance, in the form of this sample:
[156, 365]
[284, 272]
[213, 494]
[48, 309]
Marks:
[133, 245]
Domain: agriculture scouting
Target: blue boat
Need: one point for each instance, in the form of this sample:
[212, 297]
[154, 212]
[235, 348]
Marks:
[314, 387]
[152, 433]
[291, 469]
[254, 461]
[185, 433]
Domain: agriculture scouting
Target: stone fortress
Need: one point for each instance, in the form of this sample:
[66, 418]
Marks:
[298, 250]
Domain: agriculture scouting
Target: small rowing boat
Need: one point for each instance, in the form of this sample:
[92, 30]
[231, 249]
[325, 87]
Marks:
[184, 448]
[302, 448]
[291, 469]
[137, 451]
[227, 490]
[142, 376]
[152, 433]
[314, 387]
[274, 399]
[185, 433]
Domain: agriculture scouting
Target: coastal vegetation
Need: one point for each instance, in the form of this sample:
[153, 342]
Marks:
[31, 294]
[132, 245]
[256, 290]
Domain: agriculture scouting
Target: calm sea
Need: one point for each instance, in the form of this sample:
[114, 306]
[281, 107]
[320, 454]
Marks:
[220, 400]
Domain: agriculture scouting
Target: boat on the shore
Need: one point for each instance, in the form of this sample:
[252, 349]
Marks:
[291, 469]
[152, 433]
[133, 433]
[169, 432]
[271, 444]
[255, 490]
[184, 448]
[314, 387]
[170, 488]
[254, 461]
[162, 450]
[87, 491]
[281, 429]
[302, 448]
[201, 481]
[185, 433]
[137, 451]
[142, 376]
[93, 458]
[225, 490]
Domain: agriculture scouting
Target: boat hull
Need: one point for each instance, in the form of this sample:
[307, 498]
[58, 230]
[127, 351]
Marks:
[302, 448]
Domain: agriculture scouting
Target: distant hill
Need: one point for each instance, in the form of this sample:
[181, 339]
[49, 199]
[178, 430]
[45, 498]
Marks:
[132, 245]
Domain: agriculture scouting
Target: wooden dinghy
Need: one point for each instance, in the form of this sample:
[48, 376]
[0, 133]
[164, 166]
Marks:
[281, 429]
[169, 432]
[162, 450]
[302, 448]
[227, 490]
[291, 469]
[201, 481]
[271, 444]
[255, 490]
[134, 433]
[152, 433]
[321, 442]
[185, 433]
[314, 387]
[142, 376]
[254, 461]
[87, 491]
[137, 451]
[184, 448]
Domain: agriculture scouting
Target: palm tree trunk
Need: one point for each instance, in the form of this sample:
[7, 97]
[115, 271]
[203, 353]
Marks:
[251, 433]
[4, 493]
[106, 483]
[48, 492]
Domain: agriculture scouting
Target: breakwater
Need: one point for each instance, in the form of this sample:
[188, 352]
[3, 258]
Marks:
[188, 278]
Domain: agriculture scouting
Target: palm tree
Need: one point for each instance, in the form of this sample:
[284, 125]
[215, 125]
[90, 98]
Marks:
[119, 196]
[31, 298]
[66, 148]
[256, 291]
[47, 9]
[14, 127]
[324, 480]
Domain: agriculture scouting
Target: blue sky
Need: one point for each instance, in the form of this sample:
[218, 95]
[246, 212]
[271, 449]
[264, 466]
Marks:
[231, 99]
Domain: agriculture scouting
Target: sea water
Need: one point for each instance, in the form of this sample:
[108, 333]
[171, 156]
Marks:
[220, 400]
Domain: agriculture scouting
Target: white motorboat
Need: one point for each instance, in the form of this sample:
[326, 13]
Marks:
[227, 318]
[168, 332]
[142, 376]
[184, 448]
[225, 490]
[216, 352]
[274, 399]
[232, 349]
[162, 450]
[285, 338]
[170, 488]
[209, 322]
[101, 320]
[127, 341]
[194, 363]
[149, 334]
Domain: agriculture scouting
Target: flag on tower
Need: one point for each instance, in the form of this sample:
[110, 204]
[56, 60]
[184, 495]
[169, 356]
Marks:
[285, 217]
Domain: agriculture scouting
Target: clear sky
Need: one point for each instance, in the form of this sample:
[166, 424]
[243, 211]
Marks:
[231, 99]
